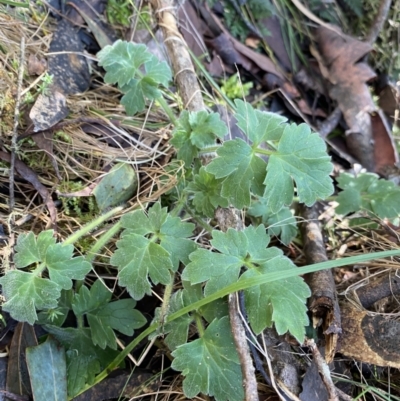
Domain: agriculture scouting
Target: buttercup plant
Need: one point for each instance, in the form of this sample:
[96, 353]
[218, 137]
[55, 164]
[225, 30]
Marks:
[275, 163]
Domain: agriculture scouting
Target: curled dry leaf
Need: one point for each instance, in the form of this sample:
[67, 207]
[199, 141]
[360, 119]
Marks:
[340, 60]
[29, 175]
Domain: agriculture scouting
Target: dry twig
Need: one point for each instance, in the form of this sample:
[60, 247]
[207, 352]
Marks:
[190, 92]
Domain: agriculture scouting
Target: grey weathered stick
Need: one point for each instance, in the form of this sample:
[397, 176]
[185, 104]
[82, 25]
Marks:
[323, 302]
[16, 122]
[189, 89]
[379, 20]
[323, 370]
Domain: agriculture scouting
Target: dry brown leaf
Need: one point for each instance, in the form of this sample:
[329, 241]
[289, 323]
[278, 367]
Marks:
[36, 66]
[340, 60]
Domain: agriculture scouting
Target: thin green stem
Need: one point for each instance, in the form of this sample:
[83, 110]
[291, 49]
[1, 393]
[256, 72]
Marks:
[239, 285]
[102, 241]
[166, 298]
[262, 151]
[210, 149]
[79, 321]
[199, 324]
[168, 110]
[91, 226]
[15, 3]
[211, 81]
[199, 220]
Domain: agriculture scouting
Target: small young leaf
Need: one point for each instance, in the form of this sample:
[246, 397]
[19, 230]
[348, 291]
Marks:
[282, 224]
[57, 316]
[367, 192]
[301, 157]
[211, 364]
[196, 130]
[104, 316]
[122, 61]
[206, 190]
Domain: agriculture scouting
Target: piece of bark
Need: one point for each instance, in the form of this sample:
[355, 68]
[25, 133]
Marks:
[323, 303]
[369, 337]
[384, 286]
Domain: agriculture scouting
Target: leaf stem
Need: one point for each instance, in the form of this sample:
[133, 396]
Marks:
[102, 241]
[264, 151]
[210, 149]
[166, 298]
[91, 226]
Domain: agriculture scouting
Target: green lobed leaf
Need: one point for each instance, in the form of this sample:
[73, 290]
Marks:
[286, 298]
[282, 224]
[222, 269]
[194, 131]
[133, 99]
[206, 192]
[247, 248]
[243, 172]
[122, 61]
[31, 249]
[173, 236]
[104, 316]
[210, 364]
[139, 259]
[62, 267]
[301, 158]
[259, 126]
[151, 246]
[25, 292]
[157, 73]
[368, 192]
[138, 222]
